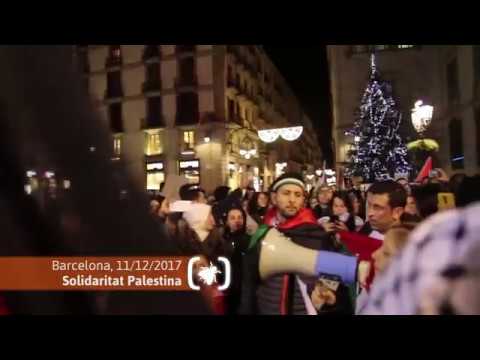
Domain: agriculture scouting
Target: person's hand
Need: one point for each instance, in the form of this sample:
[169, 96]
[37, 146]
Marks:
[442, 175]
[364, 268]
[321, 296]
[329, 226]
[340, 226]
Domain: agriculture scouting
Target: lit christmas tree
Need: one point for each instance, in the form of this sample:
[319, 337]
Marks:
[380, 152]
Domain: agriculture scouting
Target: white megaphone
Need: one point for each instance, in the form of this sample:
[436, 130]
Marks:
[279, 255]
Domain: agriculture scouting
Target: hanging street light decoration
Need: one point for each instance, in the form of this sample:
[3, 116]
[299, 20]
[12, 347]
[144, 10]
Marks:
[269, 136]
[247, 148]
[288, 134]
[291, 134]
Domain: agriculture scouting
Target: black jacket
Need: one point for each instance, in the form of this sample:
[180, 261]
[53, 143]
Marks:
[237, 244]
[320, 211]
[263, 297]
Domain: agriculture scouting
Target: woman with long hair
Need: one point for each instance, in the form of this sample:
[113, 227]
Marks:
[343, 217]
[258, 206]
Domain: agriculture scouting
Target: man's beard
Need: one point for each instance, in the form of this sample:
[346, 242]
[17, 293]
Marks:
[288, 216]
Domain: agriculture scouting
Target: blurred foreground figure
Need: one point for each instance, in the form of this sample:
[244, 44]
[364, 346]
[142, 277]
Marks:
[438, 271]
[47, 123]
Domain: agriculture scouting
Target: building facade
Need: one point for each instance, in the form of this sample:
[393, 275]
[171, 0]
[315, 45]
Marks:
[195, 110]
[445, 77]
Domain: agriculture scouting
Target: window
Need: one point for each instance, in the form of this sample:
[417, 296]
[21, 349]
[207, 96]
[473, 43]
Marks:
[230, 78]
[187, 72]
[151, 52]
[191, 170]
[456, 144]
[155, 176]
[185, 48]
[231, 109]
[152, 77]
[188, 140]
[115, 51]
[452, 82]
[115, 116]
[82, 56]
[153, 144]
[154, 112]
[114, 84]
[117, 147]
[187, 108]
[237, 79]
[114, 56]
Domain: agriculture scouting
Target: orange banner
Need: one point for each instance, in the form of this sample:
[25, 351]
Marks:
[94, 274]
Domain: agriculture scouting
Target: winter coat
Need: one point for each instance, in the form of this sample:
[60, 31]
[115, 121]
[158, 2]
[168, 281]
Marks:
[281, 294]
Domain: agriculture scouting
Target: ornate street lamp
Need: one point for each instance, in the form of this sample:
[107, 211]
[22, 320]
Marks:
[421, 117]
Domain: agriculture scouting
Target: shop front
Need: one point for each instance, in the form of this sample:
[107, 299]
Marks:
[155, 175]
[191, 170]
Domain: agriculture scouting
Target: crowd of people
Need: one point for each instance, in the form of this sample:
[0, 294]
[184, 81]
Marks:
[373, 224]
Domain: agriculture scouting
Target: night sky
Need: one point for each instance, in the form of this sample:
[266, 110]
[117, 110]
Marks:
[306, 71]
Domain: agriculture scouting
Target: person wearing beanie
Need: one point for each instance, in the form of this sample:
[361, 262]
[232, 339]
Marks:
[288, 294]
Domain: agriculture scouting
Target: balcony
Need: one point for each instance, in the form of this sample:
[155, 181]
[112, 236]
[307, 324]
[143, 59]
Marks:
[232, 87]
[113, 61]
[187, 118]
[181, 82]
[151, 86]
[152, 122]
[188, 50]
[231, 82]
[116, 125]
[151, 53]
[111, 94]
[237, 119]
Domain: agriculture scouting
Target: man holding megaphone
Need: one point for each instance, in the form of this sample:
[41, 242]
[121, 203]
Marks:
[290, 257]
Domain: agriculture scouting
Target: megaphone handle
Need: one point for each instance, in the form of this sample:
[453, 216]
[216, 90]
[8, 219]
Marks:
[337, 264]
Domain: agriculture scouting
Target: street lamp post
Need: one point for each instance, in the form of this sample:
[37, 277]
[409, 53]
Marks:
[422, 116]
